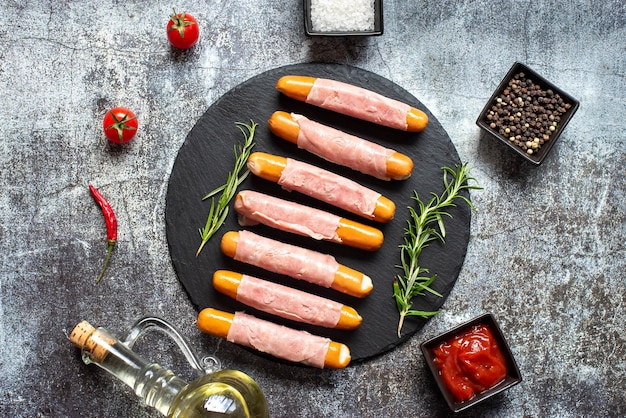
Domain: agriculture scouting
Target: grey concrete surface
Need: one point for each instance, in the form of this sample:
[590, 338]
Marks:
[546, 255]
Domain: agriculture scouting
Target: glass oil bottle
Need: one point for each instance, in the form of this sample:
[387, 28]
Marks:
[216, 393]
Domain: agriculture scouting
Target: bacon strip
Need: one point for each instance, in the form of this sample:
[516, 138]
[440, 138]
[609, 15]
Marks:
[358, 102]
[342, 148]
[328, 187]
[278, 340]
[289, 260]
[288, 303]
[254, 207]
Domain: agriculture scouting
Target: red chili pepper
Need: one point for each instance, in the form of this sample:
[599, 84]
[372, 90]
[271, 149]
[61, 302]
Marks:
[111, 224]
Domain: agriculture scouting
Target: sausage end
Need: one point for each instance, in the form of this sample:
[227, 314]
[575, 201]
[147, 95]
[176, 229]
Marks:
[296, 87]
[399, 166]
[229, 243]
[266, 166]
[352, 282]
[416, 120]
[385, 210]
[284, 126]
[349, 319]
[338, 356]
[215, 322]
[359, 236]
[227, 282]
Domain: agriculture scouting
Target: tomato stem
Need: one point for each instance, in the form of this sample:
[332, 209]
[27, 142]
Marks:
[180, 23]
[121, 124]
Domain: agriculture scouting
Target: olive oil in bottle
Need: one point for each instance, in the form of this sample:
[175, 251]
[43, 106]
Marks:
[222, 393]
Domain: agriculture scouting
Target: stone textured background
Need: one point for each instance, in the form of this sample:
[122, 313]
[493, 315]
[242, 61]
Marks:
[546, 256]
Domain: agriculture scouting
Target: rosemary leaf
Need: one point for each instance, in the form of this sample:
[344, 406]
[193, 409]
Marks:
[214, 192]
[420, 231]
[219, 212]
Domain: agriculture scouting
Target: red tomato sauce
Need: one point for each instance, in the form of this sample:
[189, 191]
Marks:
[470, 362]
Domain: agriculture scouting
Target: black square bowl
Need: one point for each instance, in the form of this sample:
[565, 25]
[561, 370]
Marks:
[512, 378]
[378, 23]
[530, 111]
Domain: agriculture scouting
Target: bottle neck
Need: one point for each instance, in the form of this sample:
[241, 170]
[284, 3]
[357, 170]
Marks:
[155, 385]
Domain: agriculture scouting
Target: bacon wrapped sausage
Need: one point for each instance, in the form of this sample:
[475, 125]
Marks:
[341, 148]
[276, 340]
[254, 207]
[285, 302]
[295, 262]
[323, 185]
[353, 101]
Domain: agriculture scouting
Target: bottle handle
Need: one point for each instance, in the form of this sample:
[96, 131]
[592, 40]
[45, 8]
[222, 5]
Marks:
[208, 364]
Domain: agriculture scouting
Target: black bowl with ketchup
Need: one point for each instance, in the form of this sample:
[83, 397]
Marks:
[471, 362]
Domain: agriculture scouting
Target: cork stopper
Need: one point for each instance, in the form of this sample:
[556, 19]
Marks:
[89, 339]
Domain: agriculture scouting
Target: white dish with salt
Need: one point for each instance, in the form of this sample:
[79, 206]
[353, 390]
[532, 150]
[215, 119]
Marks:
[342, 15]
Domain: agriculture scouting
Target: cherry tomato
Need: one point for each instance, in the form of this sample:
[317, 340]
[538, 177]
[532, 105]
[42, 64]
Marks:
[182, 30]
[120, 125]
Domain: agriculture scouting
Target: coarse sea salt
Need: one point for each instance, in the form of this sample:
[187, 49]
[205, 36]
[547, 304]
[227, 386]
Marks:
[342, 15]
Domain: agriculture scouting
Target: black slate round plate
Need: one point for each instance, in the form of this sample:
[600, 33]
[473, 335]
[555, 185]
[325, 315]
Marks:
[207, 156]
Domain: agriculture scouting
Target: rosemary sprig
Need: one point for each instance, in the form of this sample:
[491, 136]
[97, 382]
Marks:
[218, 213]
[426, 225]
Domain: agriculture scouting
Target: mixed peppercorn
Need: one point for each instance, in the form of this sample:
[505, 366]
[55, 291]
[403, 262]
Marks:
[526, 114]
